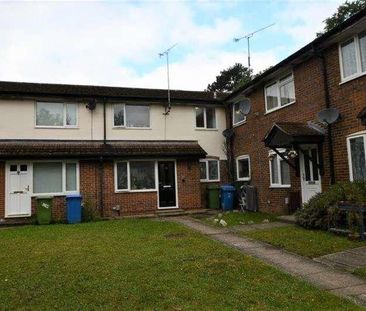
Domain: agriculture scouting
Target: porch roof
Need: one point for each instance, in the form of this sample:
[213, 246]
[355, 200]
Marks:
[12, 149]
[287, 134]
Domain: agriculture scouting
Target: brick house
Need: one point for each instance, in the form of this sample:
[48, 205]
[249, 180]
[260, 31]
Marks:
[281, 147]
[117, 147]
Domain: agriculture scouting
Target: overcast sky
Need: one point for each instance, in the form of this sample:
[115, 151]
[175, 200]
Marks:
[117, 43]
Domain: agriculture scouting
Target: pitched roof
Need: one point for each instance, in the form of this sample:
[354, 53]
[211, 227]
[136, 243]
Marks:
[307, 48]
[91, 149]
[87, 91]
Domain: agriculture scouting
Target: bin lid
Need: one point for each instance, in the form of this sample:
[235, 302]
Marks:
[70, 196]
[228, 188]
[213, 187]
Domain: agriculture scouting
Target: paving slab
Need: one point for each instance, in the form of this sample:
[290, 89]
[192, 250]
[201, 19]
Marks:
[335, 281]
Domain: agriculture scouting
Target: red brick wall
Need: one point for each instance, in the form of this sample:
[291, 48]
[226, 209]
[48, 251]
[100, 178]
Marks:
[188, 177]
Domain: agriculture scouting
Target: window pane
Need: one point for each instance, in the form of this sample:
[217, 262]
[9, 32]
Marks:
[50, 114]
[272, 96]
[358, 158]
[122, 175]
[200, 117]
[285, 173]
[137, 116]
[287, 92]
[243, 168]
[142, 175]
[238, 112]
[314, 156]
[213, 170]
[211, 118]
[71, 177]
[71, 114]
[307, 165]
[362, 40]
[203, 170]
[119, 115]
[274, 168]
[47, 177]
[349, 58]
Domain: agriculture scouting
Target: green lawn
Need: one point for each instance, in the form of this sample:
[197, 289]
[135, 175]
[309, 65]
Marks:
[304, 242]
[237, 218]
[141, 265]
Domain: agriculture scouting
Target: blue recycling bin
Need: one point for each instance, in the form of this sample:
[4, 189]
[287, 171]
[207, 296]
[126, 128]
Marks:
[73, 203]
[227, 197]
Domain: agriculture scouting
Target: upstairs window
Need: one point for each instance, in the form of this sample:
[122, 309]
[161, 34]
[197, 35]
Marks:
[238, 115]
[56, 114]
[243, 168]
[279, 171]
[210, 170]
[131, 116]
[353, 56]
[280, 93]
[357, 157]
[205, 118]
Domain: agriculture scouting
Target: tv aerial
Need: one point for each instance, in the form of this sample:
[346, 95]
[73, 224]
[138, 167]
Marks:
[329, 115]
[166, 53]
[248, 36]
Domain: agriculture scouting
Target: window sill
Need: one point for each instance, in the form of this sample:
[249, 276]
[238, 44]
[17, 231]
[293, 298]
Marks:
[279, 108]
[135, 191]
[280, 186]
[239, 123]
[206, 129]
[64, 194]
[209, 181]
[243, 179]
[130, 128]
[57, 127]
[353, 77]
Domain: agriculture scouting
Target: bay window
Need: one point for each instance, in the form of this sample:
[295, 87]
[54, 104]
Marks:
[238, 115]
[279, 171]
[55, 177]
[209, 170]
[205, 118]
[280, 93]
[352, 55]
[243, 168]
[135, 176]
[357, 157]
[50, 114]
[131, 116]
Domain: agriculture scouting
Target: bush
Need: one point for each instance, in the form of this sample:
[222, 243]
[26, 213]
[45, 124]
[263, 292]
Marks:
[316, 213]
[90, 213]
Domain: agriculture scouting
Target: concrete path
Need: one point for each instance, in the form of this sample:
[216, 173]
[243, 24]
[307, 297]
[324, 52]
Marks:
[348, 260]
[337, 282]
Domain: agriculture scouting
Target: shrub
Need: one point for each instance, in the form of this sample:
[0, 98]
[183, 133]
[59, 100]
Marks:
[90, 213]
[317, 213]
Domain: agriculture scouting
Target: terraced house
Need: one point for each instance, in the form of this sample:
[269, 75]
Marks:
[124, 150]
[282, 146]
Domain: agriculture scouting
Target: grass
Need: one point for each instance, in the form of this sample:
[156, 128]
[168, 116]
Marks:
[141, 265]
[309, 243]
[238, 218]
[361, 272]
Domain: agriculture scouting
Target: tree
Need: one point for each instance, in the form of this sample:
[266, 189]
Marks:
[344, 11]
[231, 78]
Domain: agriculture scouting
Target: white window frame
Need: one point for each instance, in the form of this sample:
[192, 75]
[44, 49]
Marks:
[356, 135]
[243, 157]
[233, 116]
[207, 179]
[63, 192]
[278, 84]
[129, 177]
[124, 126]
[359, 71]
[279, 159]
[64, 126]
[204, 127]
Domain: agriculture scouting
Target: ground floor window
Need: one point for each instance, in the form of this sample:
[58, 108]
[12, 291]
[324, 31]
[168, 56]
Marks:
[135, 175]
[55, 177]
[279, 171]
[357, 157]
[210, 170]
[243, 167]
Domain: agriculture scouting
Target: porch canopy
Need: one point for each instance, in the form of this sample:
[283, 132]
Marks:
[292, 135]
[31, 149]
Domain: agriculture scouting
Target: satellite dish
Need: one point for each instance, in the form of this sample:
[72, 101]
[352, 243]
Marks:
[228, 133]
[92, 103]
[244, 106]
[329, 115]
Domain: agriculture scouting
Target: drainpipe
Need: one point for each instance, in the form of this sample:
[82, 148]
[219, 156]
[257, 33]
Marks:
[329, 127]
[230, 142]
[101, 187]
[104, 123]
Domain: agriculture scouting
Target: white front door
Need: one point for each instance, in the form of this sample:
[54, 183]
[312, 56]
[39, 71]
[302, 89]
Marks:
[310, 176]
[18, 189]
